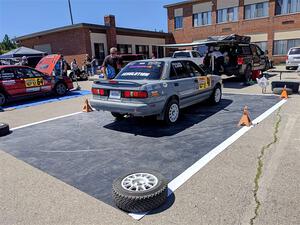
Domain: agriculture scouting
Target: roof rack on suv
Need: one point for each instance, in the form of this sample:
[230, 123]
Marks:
[231, 38]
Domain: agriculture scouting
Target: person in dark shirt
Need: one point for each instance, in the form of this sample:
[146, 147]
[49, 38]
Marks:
[111, 64]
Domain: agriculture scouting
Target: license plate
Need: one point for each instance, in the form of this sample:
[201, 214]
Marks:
[115, 94]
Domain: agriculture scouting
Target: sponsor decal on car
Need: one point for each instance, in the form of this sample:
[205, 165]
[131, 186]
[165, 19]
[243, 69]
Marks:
[34, 89]
[8, 82]
[46, 88]
[34, 82]
[142, 74]
[204, 82]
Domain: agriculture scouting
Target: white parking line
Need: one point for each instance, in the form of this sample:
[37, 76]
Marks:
[188, 173]
[44, 121]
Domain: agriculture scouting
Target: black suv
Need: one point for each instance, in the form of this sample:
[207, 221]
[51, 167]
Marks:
[240, 57]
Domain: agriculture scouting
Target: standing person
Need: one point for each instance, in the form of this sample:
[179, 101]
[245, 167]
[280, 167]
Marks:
[94, 65]
[75, 69]
[88, 64]
[63, 65]
[24, 61]
[111, 64]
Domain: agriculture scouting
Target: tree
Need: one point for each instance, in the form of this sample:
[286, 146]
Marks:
[7, 44]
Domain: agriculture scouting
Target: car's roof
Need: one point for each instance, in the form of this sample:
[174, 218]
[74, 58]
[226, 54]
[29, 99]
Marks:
[167, 60]
[14, 66]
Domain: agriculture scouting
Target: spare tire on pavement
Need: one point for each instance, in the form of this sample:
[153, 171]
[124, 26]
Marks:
[278, 91]
[4, 129]
[140, 191]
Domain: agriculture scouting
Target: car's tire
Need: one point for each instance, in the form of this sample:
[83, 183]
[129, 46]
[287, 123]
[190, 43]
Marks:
[60, 89]
[118, 116]
[83, 76]
[3, 99]
[128, 195]
[4, 129]
[216, 96]
[248, 74]
[278, 91]
[287, 68]
[172, 112]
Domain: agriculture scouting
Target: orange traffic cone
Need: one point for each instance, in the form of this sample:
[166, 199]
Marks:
[87, 107]
[245, 120]
[284, 93]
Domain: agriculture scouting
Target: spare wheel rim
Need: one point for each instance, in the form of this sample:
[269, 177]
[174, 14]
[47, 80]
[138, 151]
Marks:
[138, 182]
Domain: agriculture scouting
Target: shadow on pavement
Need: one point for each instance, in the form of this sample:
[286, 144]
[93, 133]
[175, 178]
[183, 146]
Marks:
[150, 127]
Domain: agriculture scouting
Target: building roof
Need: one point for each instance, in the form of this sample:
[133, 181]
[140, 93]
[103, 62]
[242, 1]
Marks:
[92, 26]
[179, 3]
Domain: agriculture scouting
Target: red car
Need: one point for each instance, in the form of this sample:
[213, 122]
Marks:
[18, 82]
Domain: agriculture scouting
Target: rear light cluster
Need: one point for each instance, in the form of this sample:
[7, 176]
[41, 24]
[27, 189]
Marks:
[125, 94]
[101, 92]
[240, 61]
[135, 94]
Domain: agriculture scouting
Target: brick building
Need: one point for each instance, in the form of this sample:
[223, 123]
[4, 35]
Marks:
[76, 40]
[274, 25]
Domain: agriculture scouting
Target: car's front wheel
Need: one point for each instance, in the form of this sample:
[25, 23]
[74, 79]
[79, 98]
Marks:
[172, 112]
[60, 89]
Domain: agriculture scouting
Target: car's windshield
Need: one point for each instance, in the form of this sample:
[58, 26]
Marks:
[181, 55]
[151, 70]
[295, 51]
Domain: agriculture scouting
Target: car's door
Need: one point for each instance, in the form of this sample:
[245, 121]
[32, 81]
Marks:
[32, 83]
[13, 83]
[45, 80]
[257, 59]
[202, 81]
[183, 82]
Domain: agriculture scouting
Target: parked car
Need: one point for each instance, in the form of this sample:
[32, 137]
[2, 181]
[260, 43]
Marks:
[190, 54]
[127, 58]
[19, 82]
[242, 56]
[293, 58]
[158, 87]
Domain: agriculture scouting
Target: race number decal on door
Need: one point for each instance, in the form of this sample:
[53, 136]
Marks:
[204, 82]
[34, 82]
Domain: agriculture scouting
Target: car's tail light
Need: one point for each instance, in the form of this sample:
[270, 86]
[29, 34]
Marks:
[240, 61]
[135, 94]
[101, 92]
[287, 58]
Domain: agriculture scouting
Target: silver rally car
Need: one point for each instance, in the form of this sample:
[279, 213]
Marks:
[158, 87]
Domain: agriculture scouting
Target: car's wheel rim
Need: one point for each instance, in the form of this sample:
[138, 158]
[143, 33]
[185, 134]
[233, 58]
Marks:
[217, 95]
[173, 113]
[61, 89]
[139, 182]
[2, 99]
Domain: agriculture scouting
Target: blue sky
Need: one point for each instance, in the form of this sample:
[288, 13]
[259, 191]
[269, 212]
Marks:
[20, 17]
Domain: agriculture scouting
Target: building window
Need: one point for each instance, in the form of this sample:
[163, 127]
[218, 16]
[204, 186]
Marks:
[227, 15]
[201, 19]
[178, 22]
[263, 45]
[124, 49]
[142, 49]
[287, 6]
[257, 10]
[282, 47]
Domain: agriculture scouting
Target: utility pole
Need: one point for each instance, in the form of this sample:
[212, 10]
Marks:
[70, 9]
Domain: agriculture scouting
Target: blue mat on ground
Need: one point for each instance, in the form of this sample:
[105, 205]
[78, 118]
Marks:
[44, 100]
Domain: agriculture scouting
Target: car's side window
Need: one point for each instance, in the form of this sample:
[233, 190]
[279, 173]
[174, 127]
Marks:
[193, 69]
[23, 73]
[7, 74]
[180, 69]
[173, 75]
[36, 73]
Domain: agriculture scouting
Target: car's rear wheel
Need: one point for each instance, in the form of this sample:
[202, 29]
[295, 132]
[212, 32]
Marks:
[2, 99]
[60, 89]
[83, 76]
[172, 112]
[118, 116]
[216, 96]
[4, 129]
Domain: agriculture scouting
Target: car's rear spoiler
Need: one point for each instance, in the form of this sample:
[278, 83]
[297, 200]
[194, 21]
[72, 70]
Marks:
[118, 82]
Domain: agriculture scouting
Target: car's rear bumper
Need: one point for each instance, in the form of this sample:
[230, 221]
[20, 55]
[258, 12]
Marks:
[292, 63]
[135, 109]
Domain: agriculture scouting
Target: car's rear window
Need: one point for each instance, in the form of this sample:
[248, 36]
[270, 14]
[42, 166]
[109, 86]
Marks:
[294, 51]
[151, 70]
[181, 55]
